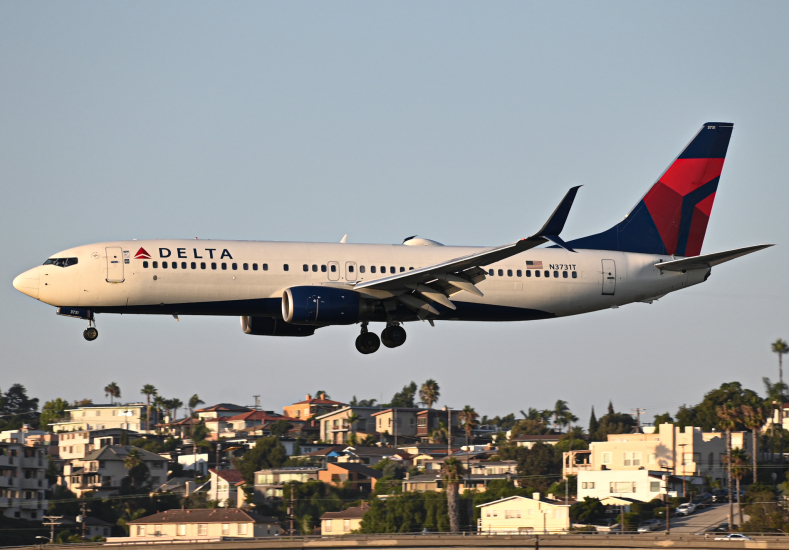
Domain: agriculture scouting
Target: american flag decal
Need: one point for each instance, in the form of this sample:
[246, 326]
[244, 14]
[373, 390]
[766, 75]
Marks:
[533, 265]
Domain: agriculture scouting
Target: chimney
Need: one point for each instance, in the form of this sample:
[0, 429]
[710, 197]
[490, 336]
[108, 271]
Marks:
[323, 396]
[550, 496]
[309, 397]
[535, 496]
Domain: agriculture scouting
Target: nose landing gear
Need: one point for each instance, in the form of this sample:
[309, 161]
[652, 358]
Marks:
[91, 333]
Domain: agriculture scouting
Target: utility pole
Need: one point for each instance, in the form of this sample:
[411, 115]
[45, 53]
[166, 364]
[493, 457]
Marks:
[84, 516]
[666, 478]
[257, 402]
[395, 426]
[682, 454]
[638, 413]
[52, 521]
[291, 509]
[449, 431]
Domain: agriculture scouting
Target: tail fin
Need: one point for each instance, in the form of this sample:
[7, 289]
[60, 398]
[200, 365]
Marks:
[672, 217]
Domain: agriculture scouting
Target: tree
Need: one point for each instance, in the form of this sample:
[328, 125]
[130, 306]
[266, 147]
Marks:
[781, 348]
[593, 423]
[452, 471]
[51, 412]
[738, 464]
[664, 418]
[429, 393]
[113, 391]
[362, 402]
[17, 408]
[468, 420]
[560, 410]
[194, 402]
[268, 452]
[775, 393]
[137, 476]
[148, 390]
[159, 404]
[280, 427]
[405, 398]
[353, 418]
[705, 416]
[753, 418]
[727, 422]
[318, 393]
[175, 404]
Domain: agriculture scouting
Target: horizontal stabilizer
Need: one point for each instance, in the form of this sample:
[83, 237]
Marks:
[708, 260]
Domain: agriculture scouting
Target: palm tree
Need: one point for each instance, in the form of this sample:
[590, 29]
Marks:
[452, 471]
[352, 419]
[148, 390]
[113, 391]
[738, 463]
[159, 404]
[133, 458]
[468, 419]
[559, 412]
[175, 404]
[439, 434]
[429, 393]
[781, 348]
[194, 402]
[753, 418]
[775, 394]
[727, 421]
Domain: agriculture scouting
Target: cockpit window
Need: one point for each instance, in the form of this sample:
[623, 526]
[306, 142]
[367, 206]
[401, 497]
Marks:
[61, 262]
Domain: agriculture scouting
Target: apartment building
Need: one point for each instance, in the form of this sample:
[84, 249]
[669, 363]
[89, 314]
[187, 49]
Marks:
[102, 417]
[103, 470]
[269, 482]
[336, 428]
[397, 422]
[428, 420]
[312, 407]
[79, 444]
[23, 484]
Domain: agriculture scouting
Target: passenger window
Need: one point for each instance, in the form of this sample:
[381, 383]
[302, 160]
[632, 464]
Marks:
[155, 265]
[234, 266]
[333, 268]
[528, 272]
[392, 270]
[509, 273]
[361, 269]
[145, 264]
[305, 267]
[213, 265]
[536, 273]
[202, 265]
[246, 267]
[372, 269]
[575, 275]
[519, 273]
[490, 272]
[224, 265]
[194, 265]
[410, 269]
[556, 274]
[314, 268]
[323, 269]
[547, 273]
[402, 269]
[254, 267]
[285, 267]
[564, 274]
[265, 267]
[501, 273]
[350, 269]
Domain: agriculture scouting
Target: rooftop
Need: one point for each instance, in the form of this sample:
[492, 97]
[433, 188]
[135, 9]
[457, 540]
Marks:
[224, 407]
[215, 515]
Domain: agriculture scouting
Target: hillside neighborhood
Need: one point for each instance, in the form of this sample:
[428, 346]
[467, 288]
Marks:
[154, 467]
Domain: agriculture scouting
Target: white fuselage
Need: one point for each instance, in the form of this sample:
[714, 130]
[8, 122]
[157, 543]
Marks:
[109, 278]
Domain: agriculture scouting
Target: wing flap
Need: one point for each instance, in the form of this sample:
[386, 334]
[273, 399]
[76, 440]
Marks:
[706, 261]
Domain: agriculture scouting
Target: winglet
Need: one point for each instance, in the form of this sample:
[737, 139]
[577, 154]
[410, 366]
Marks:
[344, 239]
[553, 227]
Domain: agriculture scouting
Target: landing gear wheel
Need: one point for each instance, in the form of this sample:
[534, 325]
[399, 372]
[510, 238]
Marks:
[367, 342]
[90, 334]
[393, 336]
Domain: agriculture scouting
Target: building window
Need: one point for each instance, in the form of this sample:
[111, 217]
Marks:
[226, 529]
[654, 486]
[141, 530]
[157, 529]
[622, 487]
[181, 531]
[632, 459]
[327, 525]
[202, 529]
[346, 525]
[607, 457]
[242, 528]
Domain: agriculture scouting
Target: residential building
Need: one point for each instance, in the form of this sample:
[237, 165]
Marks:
[529, 441]
[336, 429]
[229, 426]
[269, 482]
[179, 429]
[102, 417]
[683, 452]
[482, 473]
[358, 476]
[23, 485]
[94, 527]
[398, 422]
[103, 470]
[224, 487]
[220, 410]
[201, 525]
[427, 421]
[312, 407]
[520, 515]
[643, 485]
[344, 522]
[78, 444]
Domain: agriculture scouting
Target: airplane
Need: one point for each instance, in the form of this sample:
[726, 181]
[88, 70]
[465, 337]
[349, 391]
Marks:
[295, 288]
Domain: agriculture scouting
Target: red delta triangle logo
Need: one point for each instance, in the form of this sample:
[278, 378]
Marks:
[142, 255]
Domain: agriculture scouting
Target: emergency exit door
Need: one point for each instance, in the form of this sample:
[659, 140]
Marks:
[609, 277]
[114, 264]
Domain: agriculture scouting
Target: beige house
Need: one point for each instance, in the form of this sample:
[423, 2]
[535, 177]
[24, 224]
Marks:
[220, 410]
[79, 444]
[202, 525]
[689, 452]
[23, 485]
[519, 515]
[103, 470]
[225, 487]
[102, 417]
[335, 427]
[343, 523]
[312, 406]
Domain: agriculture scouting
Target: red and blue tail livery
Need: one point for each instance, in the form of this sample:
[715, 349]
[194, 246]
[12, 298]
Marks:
[672, 217]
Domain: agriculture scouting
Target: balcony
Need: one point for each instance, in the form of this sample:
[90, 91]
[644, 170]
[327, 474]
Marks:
[6, 460]
[6, 502]
[34, 504]
[33, 483]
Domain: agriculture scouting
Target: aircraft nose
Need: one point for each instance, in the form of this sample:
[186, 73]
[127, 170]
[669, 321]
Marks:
[27, 283]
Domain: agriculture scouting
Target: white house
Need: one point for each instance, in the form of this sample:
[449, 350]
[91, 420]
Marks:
[643, 485]
[519, 515]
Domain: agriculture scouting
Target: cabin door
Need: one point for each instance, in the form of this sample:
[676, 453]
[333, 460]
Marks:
[114, 265]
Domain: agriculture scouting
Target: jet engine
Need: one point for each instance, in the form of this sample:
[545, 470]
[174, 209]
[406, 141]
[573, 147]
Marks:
[269, 326]
[324, 305]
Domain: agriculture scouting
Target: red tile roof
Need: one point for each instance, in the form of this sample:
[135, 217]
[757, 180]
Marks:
[231, 476]
[318, 401]
[205, 515]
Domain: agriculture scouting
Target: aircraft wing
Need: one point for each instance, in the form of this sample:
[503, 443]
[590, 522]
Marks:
[706, 261]
[437, 281]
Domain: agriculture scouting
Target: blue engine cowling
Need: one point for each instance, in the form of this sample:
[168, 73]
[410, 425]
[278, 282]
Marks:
[320, 305]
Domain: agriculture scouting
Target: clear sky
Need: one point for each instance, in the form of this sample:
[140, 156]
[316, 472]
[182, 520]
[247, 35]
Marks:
[457, 121]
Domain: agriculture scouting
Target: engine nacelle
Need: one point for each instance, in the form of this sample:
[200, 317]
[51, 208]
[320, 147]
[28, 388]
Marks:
[322, 305]
[269, 326]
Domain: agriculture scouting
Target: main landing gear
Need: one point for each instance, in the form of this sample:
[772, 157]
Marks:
[368, 342]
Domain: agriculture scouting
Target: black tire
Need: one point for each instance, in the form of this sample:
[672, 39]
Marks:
[386, 340]
[90, 334]
[396, 336]
[371, 342]
[360, 345]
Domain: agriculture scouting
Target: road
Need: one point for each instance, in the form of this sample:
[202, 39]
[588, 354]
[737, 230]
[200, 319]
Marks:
[700, 520]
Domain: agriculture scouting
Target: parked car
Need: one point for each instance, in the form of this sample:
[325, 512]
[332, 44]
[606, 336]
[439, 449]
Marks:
[722, 528]
[720, 495]
[734, 536]
[650, 525]
[686, 508]
[703, 500]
